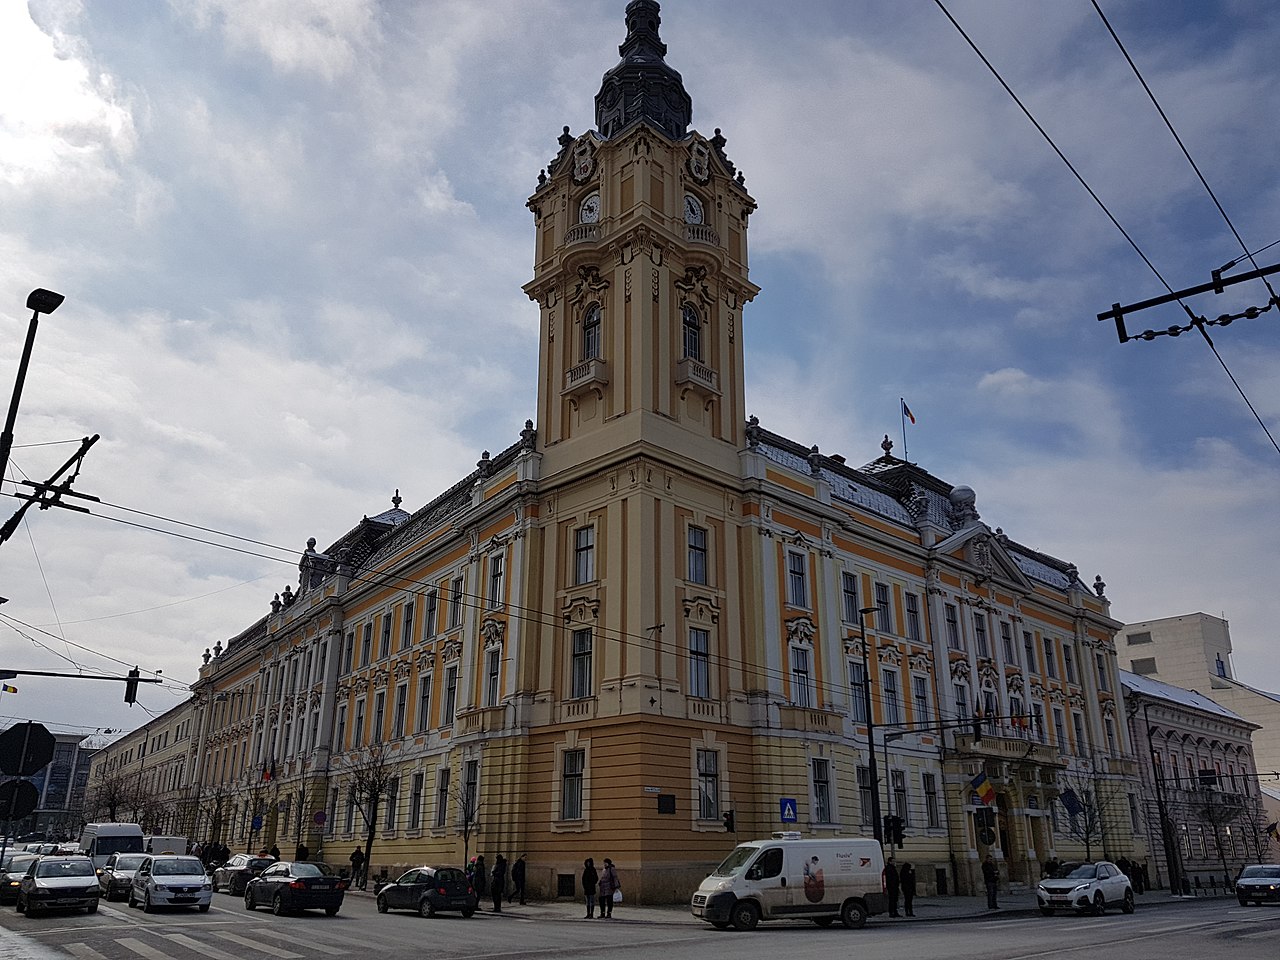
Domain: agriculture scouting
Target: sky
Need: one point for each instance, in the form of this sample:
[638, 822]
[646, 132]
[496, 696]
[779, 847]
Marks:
[292, 237]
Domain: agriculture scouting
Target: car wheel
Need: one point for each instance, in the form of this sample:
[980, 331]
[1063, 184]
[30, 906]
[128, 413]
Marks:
[1046, 911]
[331, 911]
[426, 908]
[277, 905]
[744, 915]
[1243, 901]
[248, 900]
[383, 907]
[133, 901]
[468, 913]
[214, 884]
[853, 915]
[1099, 904]
[204, 908]
[19, 905]
[146, 903]
[1126, 906]
[92, 908]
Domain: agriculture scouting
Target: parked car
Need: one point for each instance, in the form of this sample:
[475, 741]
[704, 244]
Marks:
[288, 886]
[52, 883]
[429, 890]
[1258, 882]
[12, 869]
[234, 875]
[169, 880]
[1085, 888]
[116, 878]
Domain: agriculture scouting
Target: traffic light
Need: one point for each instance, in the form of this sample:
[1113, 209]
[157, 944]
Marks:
[728, 822]
[131, 686]
[893, 833]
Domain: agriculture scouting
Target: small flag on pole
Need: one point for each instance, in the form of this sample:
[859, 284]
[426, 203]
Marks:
[983, 788]
[8, 688]
[906, 411]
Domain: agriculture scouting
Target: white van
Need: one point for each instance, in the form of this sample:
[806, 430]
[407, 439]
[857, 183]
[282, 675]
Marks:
[789, 878]
[101, 840]
[158, 845]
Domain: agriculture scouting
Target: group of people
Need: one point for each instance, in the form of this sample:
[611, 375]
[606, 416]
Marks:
[495, 881]
[600, 887]
[900, 881]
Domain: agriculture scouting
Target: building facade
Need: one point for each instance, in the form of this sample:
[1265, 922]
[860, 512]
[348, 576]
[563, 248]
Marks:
[650, 612]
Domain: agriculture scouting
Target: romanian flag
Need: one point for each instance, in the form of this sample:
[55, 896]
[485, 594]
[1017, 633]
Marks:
[268, 772]
[8, 688]
[983, 788]
[906, 411]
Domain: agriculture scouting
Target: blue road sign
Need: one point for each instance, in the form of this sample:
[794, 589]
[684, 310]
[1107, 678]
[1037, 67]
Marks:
[787, 809]
[256, 823]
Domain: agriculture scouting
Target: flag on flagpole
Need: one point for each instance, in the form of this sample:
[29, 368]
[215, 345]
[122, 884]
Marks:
[906, 411]
[983, 788]
[268, 772]
[8, 688]
[1071, 802]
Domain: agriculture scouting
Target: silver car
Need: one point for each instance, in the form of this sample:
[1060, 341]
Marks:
[1085, 888]
[56, 883]
[116, 877]
[170, 880]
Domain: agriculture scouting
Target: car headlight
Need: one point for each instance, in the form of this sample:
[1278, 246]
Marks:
[159, 888]
[207, 886]
[1080, 886]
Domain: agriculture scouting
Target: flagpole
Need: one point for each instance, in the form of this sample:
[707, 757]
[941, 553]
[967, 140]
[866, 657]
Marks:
[902, 415]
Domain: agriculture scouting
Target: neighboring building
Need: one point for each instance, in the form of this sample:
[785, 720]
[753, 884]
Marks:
[647, 613]
[1199, 779]
[1194, 652]
[61, 784]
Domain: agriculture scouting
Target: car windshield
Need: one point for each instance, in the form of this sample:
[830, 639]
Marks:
[132, 862]
[735, 861]
[186, 867]
[1269, 870]
[258, 863]
[311, 870]
[64, 868]
[1078, 871]
[18, 861]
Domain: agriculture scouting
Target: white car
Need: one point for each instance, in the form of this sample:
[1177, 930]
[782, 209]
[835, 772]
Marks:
[169, 880]
[1085, 888]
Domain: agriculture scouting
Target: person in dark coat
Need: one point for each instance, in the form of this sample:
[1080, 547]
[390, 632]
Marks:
[590, 880]
[301, 853]
[517, 880]
[499, 881]
[275, 852]
[991, 880]
[479, 882]
[357, 867]
[907, 876]
[891, 886]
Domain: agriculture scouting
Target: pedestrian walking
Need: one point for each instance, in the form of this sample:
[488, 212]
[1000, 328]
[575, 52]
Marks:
[517, 879]
[301, 853]
[907, 878]
[609, 885]
[499, 881]
[991, 880]
[275, 852]
[590, 880]
[357, 868]
[891, 881]
[481, 878]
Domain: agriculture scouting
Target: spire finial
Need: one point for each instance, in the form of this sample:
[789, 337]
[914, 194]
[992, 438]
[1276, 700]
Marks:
[396, 501]
[886, 445]
[642, 86]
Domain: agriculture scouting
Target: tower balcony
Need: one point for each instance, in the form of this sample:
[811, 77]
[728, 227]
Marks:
[695, 375]
[582, 233]
[589, 376]
[701, 233]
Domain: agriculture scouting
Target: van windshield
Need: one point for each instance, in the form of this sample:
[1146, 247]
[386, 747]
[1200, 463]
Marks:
[735, 861]
[117, 843]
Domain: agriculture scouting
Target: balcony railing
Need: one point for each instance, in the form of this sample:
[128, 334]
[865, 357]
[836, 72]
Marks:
[588, 375]
[697, 375]
[1008, 748]
[582, 232]
[701, 233]
[810, 719]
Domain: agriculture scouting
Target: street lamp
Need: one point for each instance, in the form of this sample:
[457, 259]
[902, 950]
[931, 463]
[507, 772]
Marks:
[40, 301]
[876, 826]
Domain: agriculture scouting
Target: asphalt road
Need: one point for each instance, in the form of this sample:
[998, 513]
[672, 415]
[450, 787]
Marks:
[1196, 929]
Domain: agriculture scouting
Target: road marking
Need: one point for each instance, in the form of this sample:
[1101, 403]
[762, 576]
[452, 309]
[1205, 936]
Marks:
[83, 950]
[273, 951]
[356, 945]
[201, 948]
[142, 950]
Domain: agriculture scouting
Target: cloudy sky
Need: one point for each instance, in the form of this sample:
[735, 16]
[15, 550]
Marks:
[292, 235]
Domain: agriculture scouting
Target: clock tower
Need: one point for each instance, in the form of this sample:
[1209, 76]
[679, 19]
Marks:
[640, 271]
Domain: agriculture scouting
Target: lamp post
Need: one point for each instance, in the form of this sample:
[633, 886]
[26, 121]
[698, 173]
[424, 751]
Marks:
[38, 302]
[877, 828]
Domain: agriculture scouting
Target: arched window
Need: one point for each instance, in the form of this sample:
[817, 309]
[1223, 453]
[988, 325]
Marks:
[692, 332]
[591, 333]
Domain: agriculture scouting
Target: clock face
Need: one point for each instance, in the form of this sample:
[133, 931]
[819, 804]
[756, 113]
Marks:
[692, 209]
[589, 212]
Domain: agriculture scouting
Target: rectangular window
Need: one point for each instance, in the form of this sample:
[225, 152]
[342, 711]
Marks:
[357, 735]
[821, 772]
[951, 617]
[379, 715]
[697, 555]
[1068, 664]
[1029, 651]
[898, 786]
[574, 763]
[442, 796]
[1017, 717]
[406, 626]
[801, 678]
[591, 333]
[1110, 726]
[584, 555]
[415, 801]
[699, 663]
[349, 652]
[1077, 721]
[402, 708]
[980, 634]
[1037, 721]
[849, 591]
[495, 580]
[797, 579]
[581, 667]
[1059, 730]
[920, 696]
[961, 691]
[455, 603]
[864, 795]
[384, 645]
[340, 730]
[424, 702]
[366, 645]
[1006, 641]
[884, 612]
[858, 691]
[708, 785]
[429, 614]
[493, 667]
[1050, 660]
[892, 701]
[692, 325]
[450, 694]
[1143, 666]
[931, 810]
[470, 791]
[913, 617]
[1104, 681]
[393, 802]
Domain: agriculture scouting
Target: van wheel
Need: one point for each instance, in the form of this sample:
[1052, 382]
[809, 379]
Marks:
[853, 915]
[744, 916]
[824, 921]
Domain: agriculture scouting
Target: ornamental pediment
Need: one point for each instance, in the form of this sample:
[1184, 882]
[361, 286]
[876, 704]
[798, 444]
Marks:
[801, 630]
[986, 557]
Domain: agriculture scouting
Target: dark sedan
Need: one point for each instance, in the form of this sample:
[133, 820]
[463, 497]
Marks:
[12, 870]
[234, 875]
[1258, 883]
[429, 890]
[53, 883]
[116, 877]
[289, 886]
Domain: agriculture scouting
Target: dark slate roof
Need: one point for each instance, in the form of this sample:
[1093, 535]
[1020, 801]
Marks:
[642, 86]
[1160, 690]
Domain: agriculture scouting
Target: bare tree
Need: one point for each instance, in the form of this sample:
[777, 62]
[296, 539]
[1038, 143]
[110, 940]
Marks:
[369, 773]
[213, 804]
[110, 793]
[1090, 802]
[466, 798]
[1218, 810]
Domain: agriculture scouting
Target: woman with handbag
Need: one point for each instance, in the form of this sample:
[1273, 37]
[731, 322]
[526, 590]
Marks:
[610, 889]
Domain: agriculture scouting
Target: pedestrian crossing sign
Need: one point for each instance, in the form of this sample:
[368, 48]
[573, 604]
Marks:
[787, 809]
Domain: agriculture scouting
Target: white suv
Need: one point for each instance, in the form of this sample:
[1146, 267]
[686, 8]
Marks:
[169, 880]
[1085, 888]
